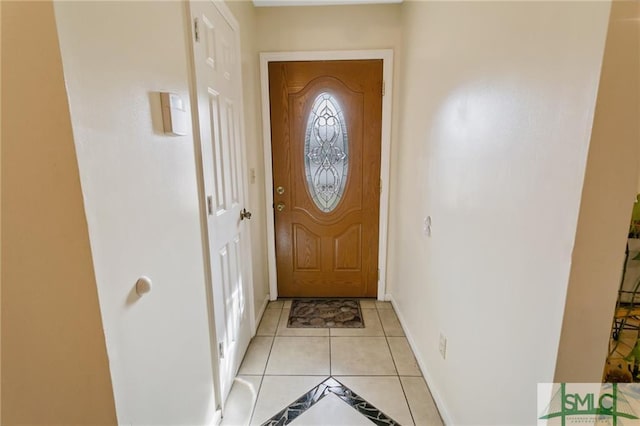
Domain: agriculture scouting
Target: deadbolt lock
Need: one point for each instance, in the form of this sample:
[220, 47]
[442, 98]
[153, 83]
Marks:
[280, 190]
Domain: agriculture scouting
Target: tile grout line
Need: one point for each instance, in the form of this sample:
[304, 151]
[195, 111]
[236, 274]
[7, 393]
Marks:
[325, 375]
[264, 372]
[330, 355]
[305, 375]
[264, 375]
[331, 336]
[255, 403]
[404, 393]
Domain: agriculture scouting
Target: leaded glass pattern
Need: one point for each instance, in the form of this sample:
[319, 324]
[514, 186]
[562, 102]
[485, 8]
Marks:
[326, 147]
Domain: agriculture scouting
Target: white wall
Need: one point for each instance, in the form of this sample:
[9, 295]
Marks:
[607, 201]
[496, 109]
[54, 360]
[141, 202]
[329, 27]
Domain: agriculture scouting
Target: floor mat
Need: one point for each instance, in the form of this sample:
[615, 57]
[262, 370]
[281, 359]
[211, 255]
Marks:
[325, 313]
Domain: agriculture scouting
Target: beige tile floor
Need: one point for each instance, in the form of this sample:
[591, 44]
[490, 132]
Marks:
[375, 362]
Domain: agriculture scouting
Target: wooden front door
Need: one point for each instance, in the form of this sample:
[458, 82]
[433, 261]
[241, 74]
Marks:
[326, 136]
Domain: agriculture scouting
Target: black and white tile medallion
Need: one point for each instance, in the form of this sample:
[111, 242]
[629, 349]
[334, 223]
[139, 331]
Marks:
[330, 386]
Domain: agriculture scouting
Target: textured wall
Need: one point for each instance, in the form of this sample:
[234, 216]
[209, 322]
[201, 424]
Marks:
[496, 111]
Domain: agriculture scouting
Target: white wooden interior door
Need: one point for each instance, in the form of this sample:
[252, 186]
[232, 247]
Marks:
[219, 93]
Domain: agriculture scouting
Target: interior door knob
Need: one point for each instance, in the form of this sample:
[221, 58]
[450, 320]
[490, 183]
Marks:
[143, 285]
[280, 207]
[244, 214]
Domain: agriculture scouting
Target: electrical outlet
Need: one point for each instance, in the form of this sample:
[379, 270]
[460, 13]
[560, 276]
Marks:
[443, 346]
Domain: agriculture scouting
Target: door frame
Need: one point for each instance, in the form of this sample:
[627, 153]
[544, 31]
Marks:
[247, 270]
[385, 160]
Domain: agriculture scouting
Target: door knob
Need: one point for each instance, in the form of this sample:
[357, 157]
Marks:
[280, 207]
[280, 190]
[244, 214]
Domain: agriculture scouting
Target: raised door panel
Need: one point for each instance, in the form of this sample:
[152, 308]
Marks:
[348, 250]
[306, 249]
[216, 149]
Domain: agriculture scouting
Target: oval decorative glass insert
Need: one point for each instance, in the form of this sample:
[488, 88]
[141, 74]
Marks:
[326, 147]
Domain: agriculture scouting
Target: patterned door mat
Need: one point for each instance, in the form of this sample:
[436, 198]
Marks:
[325, 313]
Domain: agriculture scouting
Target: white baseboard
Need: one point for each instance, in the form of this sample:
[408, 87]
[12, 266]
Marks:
[437, 398]
[263, 307]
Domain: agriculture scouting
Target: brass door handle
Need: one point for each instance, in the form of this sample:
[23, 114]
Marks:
[280, 207]
[280, 190]
[244, 214]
